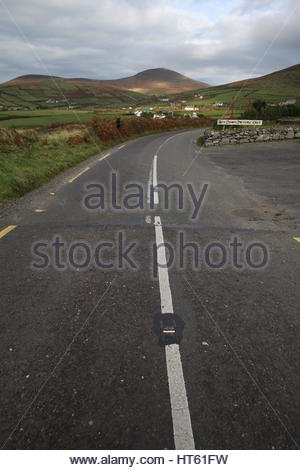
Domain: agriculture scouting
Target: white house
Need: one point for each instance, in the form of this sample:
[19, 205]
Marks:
[159, 116]
[287, 102]
[191, 108]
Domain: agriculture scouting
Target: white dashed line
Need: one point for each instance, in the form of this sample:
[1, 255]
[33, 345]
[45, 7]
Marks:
[79, 174]
[154, 179]
[149, 185]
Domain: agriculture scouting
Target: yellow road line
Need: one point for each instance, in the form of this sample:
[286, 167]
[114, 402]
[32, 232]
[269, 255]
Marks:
[79, 174]
[6, 230]
[104, 156]
[39, 210]
[297, 239]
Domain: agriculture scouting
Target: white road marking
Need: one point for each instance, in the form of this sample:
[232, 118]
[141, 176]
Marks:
[182, 427]
[79, 174]
[153, 170]
[103, 157]
[172, 137]
[149, 185]
[154, 179]
[148, 219]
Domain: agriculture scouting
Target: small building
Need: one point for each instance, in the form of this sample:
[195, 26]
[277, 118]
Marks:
[287, 102]
[159, 116]
[191, 108]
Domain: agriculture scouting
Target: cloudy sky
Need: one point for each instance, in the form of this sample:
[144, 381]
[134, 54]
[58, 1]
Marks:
[214, 41]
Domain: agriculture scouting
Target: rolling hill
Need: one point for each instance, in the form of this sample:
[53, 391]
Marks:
[157, 82]
[274, 87]
[43, 91]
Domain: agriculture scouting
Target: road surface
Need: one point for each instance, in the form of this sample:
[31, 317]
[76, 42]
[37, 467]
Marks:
[82, 366]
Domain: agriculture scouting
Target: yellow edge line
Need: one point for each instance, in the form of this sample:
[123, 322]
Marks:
[79, 174]
[297, 239]
[7, 230]
[104, 156]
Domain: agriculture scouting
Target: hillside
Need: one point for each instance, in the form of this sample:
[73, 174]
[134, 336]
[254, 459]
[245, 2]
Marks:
[274, 87]
[158, 82]
[42, 91]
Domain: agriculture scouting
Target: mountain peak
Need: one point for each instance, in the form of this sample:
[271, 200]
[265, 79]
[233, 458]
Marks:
[158, 81]
[159, 74]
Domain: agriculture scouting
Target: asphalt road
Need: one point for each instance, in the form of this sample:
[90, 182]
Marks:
[82, 364]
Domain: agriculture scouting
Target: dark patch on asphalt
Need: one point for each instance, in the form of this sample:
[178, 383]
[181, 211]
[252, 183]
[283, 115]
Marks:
[169, 328]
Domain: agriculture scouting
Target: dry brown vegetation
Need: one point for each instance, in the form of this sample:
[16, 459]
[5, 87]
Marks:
[106, 130]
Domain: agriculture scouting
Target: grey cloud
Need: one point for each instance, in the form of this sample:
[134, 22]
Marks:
[110, 39]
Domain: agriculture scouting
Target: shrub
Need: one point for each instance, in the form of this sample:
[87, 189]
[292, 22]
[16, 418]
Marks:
[11, 137]
[106, 130]
[272, 113]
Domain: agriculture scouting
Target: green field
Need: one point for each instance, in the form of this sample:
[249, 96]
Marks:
[31, 119]
[40, 118]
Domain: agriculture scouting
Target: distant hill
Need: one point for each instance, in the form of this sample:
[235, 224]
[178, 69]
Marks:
[158, 82]
[274, 87]
[289, 77]
[42, 91]
[35, 91]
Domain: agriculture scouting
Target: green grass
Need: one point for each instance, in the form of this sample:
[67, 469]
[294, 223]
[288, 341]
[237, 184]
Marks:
[29, 119]
[22, 170]
[273, 88]
[200, 141]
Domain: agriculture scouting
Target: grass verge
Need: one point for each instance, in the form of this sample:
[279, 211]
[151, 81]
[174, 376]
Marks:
[200, 141]
[29, 160]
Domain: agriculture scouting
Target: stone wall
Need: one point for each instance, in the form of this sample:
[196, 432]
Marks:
[256, 134]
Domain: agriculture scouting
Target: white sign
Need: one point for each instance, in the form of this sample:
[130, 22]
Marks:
[239, 122]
